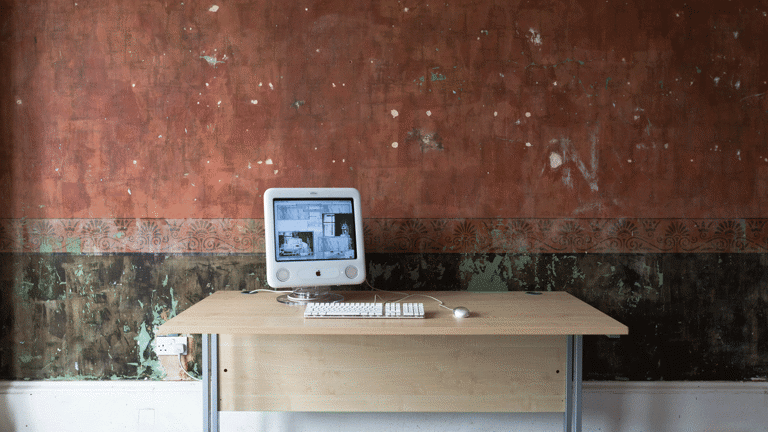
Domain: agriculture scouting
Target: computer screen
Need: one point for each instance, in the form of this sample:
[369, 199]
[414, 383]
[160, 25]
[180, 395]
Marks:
[314, 238]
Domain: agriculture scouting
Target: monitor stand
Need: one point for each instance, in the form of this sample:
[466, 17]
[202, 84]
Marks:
[316, 294]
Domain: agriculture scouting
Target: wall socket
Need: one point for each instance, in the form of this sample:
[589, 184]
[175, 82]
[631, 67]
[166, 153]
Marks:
[171, 345]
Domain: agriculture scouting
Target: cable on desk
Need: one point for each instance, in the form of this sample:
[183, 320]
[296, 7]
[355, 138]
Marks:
[439, 302]
[265, 290]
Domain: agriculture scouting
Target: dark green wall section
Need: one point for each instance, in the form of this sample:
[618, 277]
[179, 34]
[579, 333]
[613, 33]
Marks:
[691, 316]
[94, 317]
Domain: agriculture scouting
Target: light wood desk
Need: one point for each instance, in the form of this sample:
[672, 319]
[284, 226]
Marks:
[516, 352]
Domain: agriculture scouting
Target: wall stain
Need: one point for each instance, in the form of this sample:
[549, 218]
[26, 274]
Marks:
[427, 141]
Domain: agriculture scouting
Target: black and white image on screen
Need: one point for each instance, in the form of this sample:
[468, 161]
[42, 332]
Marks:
[314, 230]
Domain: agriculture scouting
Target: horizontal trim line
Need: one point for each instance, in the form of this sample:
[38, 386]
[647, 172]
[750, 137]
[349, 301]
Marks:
[450, 235]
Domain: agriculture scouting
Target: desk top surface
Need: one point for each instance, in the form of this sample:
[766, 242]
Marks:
[508, 313]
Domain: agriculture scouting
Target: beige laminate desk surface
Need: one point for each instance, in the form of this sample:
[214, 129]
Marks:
[508, 313]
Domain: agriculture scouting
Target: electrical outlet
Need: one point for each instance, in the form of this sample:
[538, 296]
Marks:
[170, 345]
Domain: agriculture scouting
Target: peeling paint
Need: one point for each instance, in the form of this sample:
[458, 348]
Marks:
[555, 160]
[74, 246]
[483, 276]
[437, 76]
[570, 154]
[213, 61]
[534, 37]
[148, 365]
[427, 141]
[381, 271]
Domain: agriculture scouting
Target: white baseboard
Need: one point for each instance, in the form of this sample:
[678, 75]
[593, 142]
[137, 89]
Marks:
[83, 406]
[677, 406]
[100, 406]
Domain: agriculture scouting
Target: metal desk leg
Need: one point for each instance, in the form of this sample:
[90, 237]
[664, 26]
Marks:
[210, 383]
[573, 379]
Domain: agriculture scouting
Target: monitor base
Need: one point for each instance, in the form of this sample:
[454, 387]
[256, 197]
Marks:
[302, 296]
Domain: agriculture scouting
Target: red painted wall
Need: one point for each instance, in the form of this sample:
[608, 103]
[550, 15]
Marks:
[498, 109]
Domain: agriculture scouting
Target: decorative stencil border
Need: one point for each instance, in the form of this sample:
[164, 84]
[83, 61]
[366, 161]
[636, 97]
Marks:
[528, 235]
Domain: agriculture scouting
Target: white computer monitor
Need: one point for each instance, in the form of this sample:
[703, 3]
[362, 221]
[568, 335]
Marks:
[314, 240]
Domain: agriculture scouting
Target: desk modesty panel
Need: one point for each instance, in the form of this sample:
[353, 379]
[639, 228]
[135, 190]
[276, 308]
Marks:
[349, 373]
[507, 313]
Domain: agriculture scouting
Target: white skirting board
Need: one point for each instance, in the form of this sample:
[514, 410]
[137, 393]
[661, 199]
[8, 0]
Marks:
[84, 406]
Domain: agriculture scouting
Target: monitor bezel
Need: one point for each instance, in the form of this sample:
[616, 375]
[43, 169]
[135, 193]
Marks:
[302, 273]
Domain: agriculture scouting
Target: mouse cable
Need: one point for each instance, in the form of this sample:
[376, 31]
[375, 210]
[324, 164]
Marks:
[264, 290]
[439, 302]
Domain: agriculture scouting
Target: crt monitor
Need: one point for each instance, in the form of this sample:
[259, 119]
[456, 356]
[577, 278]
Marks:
[314, 240]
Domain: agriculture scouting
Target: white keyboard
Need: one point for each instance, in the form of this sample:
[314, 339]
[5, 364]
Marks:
[364, 310]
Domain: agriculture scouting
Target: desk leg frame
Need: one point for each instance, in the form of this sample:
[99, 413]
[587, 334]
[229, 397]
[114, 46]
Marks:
[573, 379]
[210, 383]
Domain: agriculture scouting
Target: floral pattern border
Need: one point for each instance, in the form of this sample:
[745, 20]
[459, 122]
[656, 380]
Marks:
[506, 235]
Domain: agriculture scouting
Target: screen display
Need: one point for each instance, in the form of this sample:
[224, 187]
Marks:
[314, 229]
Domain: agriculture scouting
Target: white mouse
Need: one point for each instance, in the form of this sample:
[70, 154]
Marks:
[461, 312]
